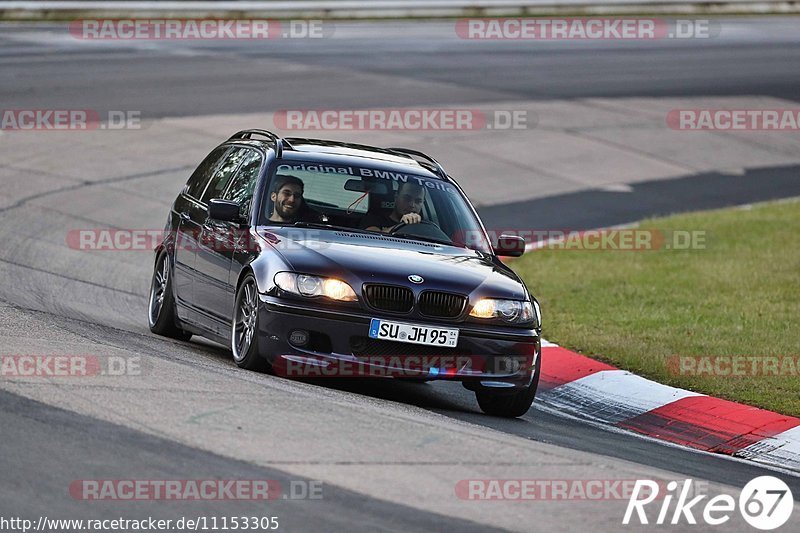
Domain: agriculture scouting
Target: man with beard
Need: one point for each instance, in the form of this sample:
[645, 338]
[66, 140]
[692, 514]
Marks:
[287, 198]
[407, 208]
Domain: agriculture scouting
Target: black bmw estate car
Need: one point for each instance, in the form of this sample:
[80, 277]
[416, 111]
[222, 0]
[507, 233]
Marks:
[314, 258]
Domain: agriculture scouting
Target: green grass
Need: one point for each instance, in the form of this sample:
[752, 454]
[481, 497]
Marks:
[740, 295]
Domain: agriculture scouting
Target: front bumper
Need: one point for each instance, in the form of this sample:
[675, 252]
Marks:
[339, 346]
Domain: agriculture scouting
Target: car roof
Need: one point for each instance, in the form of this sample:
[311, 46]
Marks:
[339, 152]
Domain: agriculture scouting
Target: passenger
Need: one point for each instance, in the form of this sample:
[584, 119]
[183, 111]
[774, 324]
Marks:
[287, 198]
[408, 202]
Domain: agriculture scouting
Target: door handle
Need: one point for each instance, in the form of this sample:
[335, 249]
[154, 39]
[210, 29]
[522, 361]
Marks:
[184, 216]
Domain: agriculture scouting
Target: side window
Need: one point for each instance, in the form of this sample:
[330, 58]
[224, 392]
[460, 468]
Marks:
[429, 208]
[452, 219]
[223, 174]
[197, 183]
[243, 185]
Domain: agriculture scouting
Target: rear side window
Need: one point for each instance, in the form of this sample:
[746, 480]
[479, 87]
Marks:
[243, 185]
[197, 183]
[224, 173]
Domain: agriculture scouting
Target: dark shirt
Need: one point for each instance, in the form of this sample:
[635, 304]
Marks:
[381, 220]
[307, 214]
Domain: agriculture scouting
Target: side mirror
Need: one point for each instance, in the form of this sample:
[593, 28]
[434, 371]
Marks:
[510, 246]
[224, 210]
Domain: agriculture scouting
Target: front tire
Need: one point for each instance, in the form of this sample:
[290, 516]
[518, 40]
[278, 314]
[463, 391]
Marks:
[161, 307]
[508, 405]
[244, 328]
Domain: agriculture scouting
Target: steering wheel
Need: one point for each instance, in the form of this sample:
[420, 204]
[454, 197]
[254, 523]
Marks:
[423, 228]
[400, 225]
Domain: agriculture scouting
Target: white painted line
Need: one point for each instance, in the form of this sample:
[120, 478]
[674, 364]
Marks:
[613, 395]
[616, 187]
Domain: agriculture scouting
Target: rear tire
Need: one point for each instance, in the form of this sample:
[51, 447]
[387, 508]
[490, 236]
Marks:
[161, 307]
[508, 405]
[244, 328]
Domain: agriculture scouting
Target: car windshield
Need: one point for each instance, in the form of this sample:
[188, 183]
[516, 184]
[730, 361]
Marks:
[369, 199]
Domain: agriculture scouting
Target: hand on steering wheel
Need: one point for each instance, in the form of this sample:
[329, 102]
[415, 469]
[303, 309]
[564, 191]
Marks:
[411, 218]
[424, 229]
[406, 220]
[401, 225]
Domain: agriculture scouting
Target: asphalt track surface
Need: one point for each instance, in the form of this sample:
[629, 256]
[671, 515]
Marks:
[235, 77]
[45, 447]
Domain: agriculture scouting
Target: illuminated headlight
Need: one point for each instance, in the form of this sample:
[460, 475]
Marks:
[313, 286]
[509, 311]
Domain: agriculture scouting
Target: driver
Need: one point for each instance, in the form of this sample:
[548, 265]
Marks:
[408, 202]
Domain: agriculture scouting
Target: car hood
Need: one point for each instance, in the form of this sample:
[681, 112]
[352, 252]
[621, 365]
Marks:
[370, 258]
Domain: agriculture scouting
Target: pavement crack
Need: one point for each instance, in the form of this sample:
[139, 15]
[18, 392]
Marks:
[630, 149]
[68, 188]
[69, 278]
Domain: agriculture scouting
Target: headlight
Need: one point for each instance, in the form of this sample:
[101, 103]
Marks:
[313, 286]
[509, 311]
[309, 285]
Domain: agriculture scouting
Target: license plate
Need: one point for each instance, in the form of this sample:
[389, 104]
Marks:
[397, 331]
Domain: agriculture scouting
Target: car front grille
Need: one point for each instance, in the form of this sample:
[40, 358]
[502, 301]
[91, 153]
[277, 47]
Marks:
[396, 299]
[441, 304]
[389, 298]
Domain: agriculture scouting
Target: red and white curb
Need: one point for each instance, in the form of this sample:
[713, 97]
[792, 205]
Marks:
[585, 388]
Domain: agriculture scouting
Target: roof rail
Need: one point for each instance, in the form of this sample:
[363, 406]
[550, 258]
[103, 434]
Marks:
[248, 134]
[274, 137]
[438, 169]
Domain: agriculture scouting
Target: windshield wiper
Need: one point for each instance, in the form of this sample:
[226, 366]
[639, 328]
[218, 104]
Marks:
[425, 239]
[322, 225]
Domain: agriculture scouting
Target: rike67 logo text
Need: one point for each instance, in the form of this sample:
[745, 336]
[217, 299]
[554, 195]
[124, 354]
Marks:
[765, 503]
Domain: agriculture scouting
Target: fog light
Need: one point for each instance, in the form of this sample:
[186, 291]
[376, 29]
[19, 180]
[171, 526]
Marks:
[298, 337]
[507, 365]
